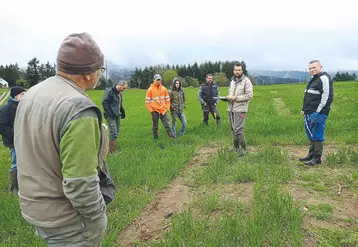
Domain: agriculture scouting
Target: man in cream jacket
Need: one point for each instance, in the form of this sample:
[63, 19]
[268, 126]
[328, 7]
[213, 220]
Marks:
[240, 93]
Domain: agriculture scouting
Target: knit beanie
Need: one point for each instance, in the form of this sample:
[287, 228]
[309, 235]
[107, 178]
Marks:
[79, 54]
[16, 90]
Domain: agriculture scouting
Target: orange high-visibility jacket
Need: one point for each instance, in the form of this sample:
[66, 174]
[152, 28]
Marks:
[157, 99]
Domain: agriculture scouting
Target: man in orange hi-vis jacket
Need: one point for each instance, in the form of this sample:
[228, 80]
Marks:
[158, 103]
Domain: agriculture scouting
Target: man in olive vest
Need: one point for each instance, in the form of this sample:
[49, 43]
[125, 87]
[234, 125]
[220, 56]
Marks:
[59, 145]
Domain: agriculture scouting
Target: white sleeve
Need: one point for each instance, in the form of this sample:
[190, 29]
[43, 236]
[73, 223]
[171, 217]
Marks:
[325, 94]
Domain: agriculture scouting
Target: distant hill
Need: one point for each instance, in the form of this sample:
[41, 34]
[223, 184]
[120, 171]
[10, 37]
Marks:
[264, 77]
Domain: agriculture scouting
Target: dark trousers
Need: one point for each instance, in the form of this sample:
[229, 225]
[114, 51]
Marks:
[214, 112]
[165, 121]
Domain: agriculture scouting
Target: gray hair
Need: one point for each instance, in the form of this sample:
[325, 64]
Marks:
[122, 83]
[315, 61]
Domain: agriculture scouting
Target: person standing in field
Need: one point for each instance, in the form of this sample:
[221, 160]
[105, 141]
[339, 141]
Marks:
[7, 118]
[316, 106]
[157, 101]
[240, 93]
[206, 94]
[112, 103]
[61, 146]
[177, 105]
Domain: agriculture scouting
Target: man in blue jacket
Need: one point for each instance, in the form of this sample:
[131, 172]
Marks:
[112, 103]
[316, 106]
[7, 117]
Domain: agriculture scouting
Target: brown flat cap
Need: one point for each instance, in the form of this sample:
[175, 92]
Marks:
[79, 54]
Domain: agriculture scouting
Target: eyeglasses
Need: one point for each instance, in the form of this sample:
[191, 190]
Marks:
[103, 69]
[158, 79]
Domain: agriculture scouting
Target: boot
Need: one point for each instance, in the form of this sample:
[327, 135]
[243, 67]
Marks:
[155, 134]
[171, 134]
[217, 119]
[14, 187]
[112, 146]
[317, 154]
[310, 153]
[242, 144]
[236, 143]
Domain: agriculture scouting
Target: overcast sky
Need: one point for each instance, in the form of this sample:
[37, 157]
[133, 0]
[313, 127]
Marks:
[275, 34]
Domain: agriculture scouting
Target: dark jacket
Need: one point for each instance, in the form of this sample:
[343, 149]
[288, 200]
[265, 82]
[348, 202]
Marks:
[7, 117]
[177, 97]
[112, 103]
[318, 94]
[207, 92]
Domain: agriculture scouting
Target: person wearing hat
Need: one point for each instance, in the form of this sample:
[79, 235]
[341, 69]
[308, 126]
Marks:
[7, 117]
[157, 102]
[61, 147]
[112, 103]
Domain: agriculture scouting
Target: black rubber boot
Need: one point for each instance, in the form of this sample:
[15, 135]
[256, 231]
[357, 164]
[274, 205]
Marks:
[236, 143]
[14, 187]
[310, 153]
[242, 144]
[318, 150]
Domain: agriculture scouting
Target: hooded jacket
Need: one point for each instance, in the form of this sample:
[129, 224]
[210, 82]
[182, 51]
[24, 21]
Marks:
[157, 98]
[177, 97]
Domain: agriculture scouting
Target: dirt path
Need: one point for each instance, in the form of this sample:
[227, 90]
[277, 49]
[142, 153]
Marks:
[344, 205]
[155, 217]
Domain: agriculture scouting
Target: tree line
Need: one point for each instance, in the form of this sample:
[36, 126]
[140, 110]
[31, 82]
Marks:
[190, 75]
[33, 74]
[345, 76]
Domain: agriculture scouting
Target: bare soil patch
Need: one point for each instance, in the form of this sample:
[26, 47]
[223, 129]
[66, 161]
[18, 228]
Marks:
[344, 204]
[155, 217]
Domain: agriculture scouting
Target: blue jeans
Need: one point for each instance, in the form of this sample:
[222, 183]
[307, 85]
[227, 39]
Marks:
[114, 126]
[315, 126]
[182, 118]
[13, 160]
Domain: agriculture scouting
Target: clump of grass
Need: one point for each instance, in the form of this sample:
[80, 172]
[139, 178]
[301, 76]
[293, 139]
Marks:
[337, 237]
[208, 204]
[346, 156]
[227, 167]
[321, 211]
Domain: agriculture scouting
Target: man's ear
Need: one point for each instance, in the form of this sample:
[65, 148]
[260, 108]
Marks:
[88, 77]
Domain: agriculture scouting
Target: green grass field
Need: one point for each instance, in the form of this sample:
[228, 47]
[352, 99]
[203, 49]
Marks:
[284, 203]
